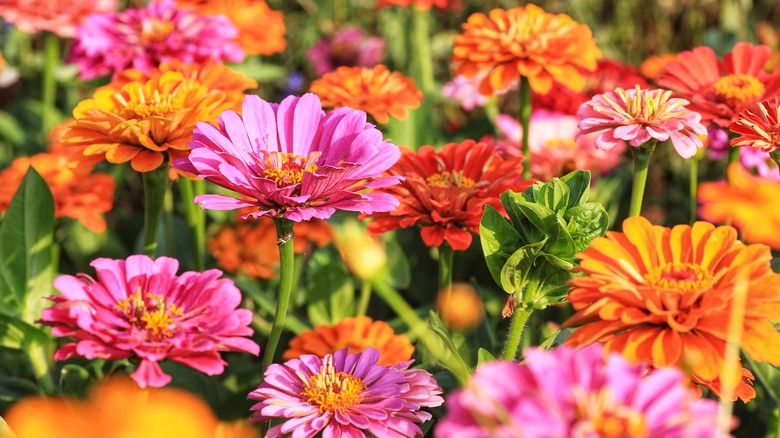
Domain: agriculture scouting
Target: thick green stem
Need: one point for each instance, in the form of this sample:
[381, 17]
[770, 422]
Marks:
[693, 188]
[446, 256]
[196, 219]
[39, 360]
[49, 91]
[641, 163]
[284, 231]
[155, 186]
[365, 298]
[519, 318]
[524, 117]
[421, 21]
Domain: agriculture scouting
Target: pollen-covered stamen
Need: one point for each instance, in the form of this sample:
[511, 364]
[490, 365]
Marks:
[684, 277]
[739, 89]
[142, 108]
[333, 391]
[286, 169]
[599, 416]
[150, 312]
[450, 179]
[644, 105]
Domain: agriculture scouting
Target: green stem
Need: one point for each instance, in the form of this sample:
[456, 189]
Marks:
[421, 21]
[776, 432]
[365, 298]
[284, 230]
[49, 91]
[524, 117]
[196, 219]
[155, 186]
[693, 188]
[493, 111]
[446, 256]
[641, 163]
[519, 318]
[39, 360]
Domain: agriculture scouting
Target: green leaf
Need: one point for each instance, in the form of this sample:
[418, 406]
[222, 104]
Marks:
[578, 182]
[514, 274]
[331, 295]
[499, 240]
[463, 371]
[560, 242]
[546, 286]
[18, 335]
[554, 195]
[484, 356]
[528, 232]
[586, 222]
[540, 216]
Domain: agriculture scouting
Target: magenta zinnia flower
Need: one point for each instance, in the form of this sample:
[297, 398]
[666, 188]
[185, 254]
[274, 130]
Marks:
[576, 393]
[345, 395]
[142, 39]
[637, 116]
[293, 161]
[347, 47]
[140, 309]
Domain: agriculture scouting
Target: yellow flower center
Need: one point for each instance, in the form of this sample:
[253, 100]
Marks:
[154, 30]
[286, 169]
[149, 312]
[684, 277]
[144, 108]
[333, 391]
[449, 179]
[560, 143]
[739, 89]
[599, 416]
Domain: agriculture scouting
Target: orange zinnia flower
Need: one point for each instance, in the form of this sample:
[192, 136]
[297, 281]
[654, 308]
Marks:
[260, 28]
[423, 5]
[77, 193]
[743, 202]
[664, 296]
[653, 67]
[720, 90]
[375, 90]
[356, 333]
[144, 122]
[526, 42]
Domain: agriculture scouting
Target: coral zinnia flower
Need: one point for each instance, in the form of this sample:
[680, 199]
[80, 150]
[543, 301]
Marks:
[57, 16]
[347, 47]
[720, 90]
[356, 334]
[78, 194]
[260, 28]
[637, 116]
[292, 160]
[575, 393]
[664, 296]
[758, 127]
[250, 246]
[118, 408]
[423, 5]
[345, 395]
[445, 192]
[139, 308]
[528, 42]
[143, 122]
[747, 202]
[141, 39]
[377, 91]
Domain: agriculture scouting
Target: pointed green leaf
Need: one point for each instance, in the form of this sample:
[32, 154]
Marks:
[554, 195]
[578, 182]
[499, 240]
[540, 216]
[484, 356]
[528, 232]
[586, 222]
[514, 274]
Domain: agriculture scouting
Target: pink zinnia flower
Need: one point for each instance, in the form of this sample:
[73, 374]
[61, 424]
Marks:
[292, 160]
[56, 16]
[142, 39]
[637, 116]
[576, 393]
[466, 91]
[347, 47]
[140, 309]
[345, 395]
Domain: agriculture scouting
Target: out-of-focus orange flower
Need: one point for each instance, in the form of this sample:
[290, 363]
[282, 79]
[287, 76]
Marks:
[57, 16]
[747, 202]
[423, 5]
[364, 255]
[528, 42]
[78, 193]
[144, 122]
[118, 408]
[664, 296]
[250, 246]
[460, 307]
[653, 67]
[260, 28]
[356, 333]
[375, 90]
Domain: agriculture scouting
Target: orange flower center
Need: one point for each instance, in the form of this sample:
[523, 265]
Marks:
[144, 108]
[154, 30]
[738, 89]
[149, 312]
[333, 391]
[684, 277]
[599, 416]
[449, 179]
[286, 169]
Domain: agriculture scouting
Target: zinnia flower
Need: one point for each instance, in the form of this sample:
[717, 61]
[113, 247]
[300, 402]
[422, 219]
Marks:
[465, 91]
[377, 91]
[720, 90]
[345, 395]
[747, 202]
[460, 307]
[78, 193]
[423, 5]
[528, 42]
[365, 255]
[575, 393]
[56, 16]
[445, 192]
[260, 29]
[140, 309]
[357, 334]
[292, 160]
[759, 162]
[759, 127]
[637, 116]
[143, 122]
[664, 296]
[348, 47]
[653, 67]
[117, 408]
[141, 39]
